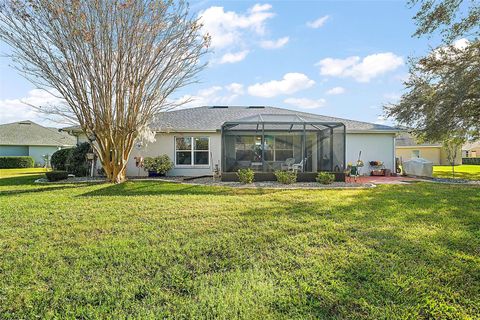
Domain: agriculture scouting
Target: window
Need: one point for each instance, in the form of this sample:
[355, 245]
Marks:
[192, 151]
[415, 153]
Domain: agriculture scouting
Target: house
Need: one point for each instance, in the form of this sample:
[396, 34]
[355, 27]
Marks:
[407, 147]
[471, 150]
[26, 138]
[199, 140]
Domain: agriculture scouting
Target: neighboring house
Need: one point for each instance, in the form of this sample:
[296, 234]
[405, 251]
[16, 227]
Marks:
[198, 140]
[408, 147]
[26, 138]
[471, 150]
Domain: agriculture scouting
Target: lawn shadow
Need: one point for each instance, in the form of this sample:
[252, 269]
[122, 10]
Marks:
[155, 188]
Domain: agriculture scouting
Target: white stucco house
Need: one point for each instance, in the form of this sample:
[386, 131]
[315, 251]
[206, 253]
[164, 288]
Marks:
[27, 138]
[199, 140]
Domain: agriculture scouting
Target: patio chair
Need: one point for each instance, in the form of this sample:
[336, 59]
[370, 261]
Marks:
[288, 164]
[297, 166]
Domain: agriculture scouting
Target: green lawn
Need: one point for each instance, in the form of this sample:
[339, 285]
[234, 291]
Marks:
[6, 173]
[465, 171]
[157, 250]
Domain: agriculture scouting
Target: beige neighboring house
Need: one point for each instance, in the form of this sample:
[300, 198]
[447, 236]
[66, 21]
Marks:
[407, 147]
[471, 150]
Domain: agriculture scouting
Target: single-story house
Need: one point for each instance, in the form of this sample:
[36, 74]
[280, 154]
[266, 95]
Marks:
[26, 138]
[203, 139]
[407, 147]
[471, 150]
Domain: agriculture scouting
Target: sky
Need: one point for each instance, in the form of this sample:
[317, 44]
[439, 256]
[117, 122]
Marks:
[339, 58]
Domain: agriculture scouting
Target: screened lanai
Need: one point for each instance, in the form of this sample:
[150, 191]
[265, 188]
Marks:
[269, 142]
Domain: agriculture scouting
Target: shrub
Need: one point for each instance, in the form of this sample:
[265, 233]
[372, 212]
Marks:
[160, 165]
[56, 175]
[246, 176]
[286, 177]
[325, 177]
[59, 159]
[77, 160]
[16, 162]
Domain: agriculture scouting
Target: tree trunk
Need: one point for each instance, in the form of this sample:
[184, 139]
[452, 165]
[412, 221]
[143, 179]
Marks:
[114, 163]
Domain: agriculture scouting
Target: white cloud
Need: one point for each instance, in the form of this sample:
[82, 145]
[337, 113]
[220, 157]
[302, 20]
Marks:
[233, 57]
[336, 90]
[12, 110]
[291, 83]
[381, 120]
[227, 27]
[215, 95]
[318, 23]
[236, 88]
[362, 70]
[305, 103]
[274, 44]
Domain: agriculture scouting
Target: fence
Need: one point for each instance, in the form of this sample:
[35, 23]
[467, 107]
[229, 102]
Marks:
[471, 161]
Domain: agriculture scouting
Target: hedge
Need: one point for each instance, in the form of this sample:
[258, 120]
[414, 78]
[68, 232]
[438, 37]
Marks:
[471, 161]
[56, 175]
[59, 159]
[16, 162]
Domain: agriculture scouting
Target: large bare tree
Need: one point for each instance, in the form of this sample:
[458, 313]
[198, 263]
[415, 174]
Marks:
[114, 62]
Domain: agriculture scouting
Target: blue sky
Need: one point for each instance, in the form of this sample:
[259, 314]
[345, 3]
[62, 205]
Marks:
[338, 58]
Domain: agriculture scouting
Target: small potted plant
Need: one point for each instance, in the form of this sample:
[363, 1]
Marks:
[157, 166]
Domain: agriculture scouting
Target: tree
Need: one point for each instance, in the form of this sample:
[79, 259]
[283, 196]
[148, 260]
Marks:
[114, 62]
[452, 146]
[443, 92]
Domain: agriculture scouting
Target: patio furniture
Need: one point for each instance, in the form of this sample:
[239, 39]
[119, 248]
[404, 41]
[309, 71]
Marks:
[297, 166]
[287, 165]
[353, 172]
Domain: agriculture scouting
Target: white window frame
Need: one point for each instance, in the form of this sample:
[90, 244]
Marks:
[192, 152]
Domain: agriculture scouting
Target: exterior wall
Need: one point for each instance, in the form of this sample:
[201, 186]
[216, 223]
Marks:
[437, 155]
[37, 153]
[165, 144]
[429, 153]
[374, 146]
[8, 151]
[444, 160]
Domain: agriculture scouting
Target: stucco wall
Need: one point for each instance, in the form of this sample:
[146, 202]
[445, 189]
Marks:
[429, 153]
[8, 151]
[374, 146]
[437, 155]
[37, 153]
[165, 144]
[444, 158]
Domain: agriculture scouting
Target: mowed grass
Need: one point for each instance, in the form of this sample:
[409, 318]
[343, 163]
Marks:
[6, 173]
[465, 171]
[150, 250]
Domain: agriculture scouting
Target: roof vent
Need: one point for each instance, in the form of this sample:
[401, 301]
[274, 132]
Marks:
[25, 122]
[219, 107]
[256, 107]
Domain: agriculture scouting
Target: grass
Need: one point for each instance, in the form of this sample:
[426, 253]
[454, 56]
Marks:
[465, 171]
[161, 250]
[6, 173]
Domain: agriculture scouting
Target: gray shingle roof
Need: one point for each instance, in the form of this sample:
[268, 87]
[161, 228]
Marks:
[211, 119]
[28, 133]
